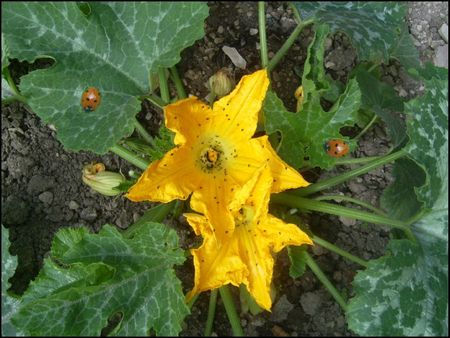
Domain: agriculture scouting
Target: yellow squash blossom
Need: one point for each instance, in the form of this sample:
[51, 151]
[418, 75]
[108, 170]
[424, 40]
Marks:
[246, 257]
[215, 154]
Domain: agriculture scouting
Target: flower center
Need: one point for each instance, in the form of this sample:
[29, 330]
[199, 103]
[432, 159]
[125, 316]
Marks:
[212, 154]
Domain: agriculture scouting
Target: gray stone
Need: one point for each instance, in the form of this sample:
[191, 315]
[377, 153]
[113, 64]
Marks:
[310, 303]
[40, 183]
[46, 197]
[253, 31]
[347, 221]
[281, 309]
[73, 205]
[443, 32]
[88, 214]
[441, 58]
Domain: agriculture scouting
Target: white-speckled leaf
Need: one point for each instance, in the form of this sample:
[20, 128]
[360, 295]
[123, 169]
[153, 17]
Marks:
[304, 134]
[99, 275]
[406, 293]
[428, 133]
[115, 48]
[10, 305]
[373, 27]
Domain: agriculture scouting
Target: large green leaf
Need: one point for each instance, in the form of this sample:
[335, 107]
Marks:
[304, 134]
[404, 50]
[373, 27]
[403, 293]
[406, 292]
[382, 99]
[428, 133]
[115, 48]
[399, 199]
[91, 277]
[10, 304]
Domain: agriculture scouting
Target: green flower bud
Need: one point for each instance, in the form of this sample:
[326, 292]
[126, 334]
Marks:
[221, 83]
[104, 182]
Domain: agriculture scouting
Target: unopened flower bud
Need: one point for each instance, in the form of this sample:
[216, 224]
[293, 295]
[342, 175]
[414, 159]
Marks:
[102, 181]
[299, 96]
[221, 83]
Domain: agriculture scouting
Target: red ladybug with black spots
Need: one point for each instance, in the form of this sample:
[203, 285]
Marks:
[90, 99]
[336, 148]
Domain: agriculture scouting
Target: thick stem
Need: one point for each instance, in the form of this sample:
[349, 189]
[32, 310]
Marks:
[191, 303]
[326, 283]
[288, 43]
[308, 204]
[231, 311]
[211, 313]
[339, 251]
[141, 130]
[178, 83]
[129, 156]
[13, 98]
[11, 83]
[163, 85]
[360, 160]
[351, 200]
[328, 183]
[262, 34]
[155, 100]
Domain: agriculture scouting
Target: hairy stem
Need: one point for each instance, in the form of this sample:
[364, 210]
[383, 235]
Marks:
[366, 128]
[141, 130]
[328, 183]
[163, 85]
[351, 200]
[308, 204]
[178, 83]
[287, 44]
[129, 156]
[262, 34]
[211, 313]
[338, 250]
[325, 281]
[231, 311]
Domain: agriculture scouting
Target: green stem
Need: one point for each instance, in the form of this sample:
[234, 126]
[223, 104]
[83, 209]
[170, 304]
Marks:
[11, 83]
[328, 183]
[375, 65]
[178, 84]
[14, 98]
[141, 130]
[326, 283]
[155, 100]
[360, 160]
[297, 17]
[366, 128]
[288, 43]
[163, 85]
[211, 312]
[191, 303]
[262, 34]
[308, 204]
[231, 311]
[338, 250]
[351, 200]
[129, 156]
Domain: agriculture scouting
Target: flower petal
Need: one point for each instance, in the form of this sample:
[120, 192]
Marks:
[188, 118]
[281, 234]
[165, 180]
[215, 264]
[236, 114]
[284, 176]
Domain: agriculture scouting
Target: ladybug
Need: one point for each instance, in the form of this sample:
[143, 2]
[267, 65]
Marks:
[336, 148]
[90, 99]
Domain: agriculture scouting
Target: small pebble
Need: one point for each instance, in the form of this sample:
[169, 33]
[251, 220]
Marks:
[443, 32]
[253, 31]
[46, 197]
[73, 205]
[220, 29]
